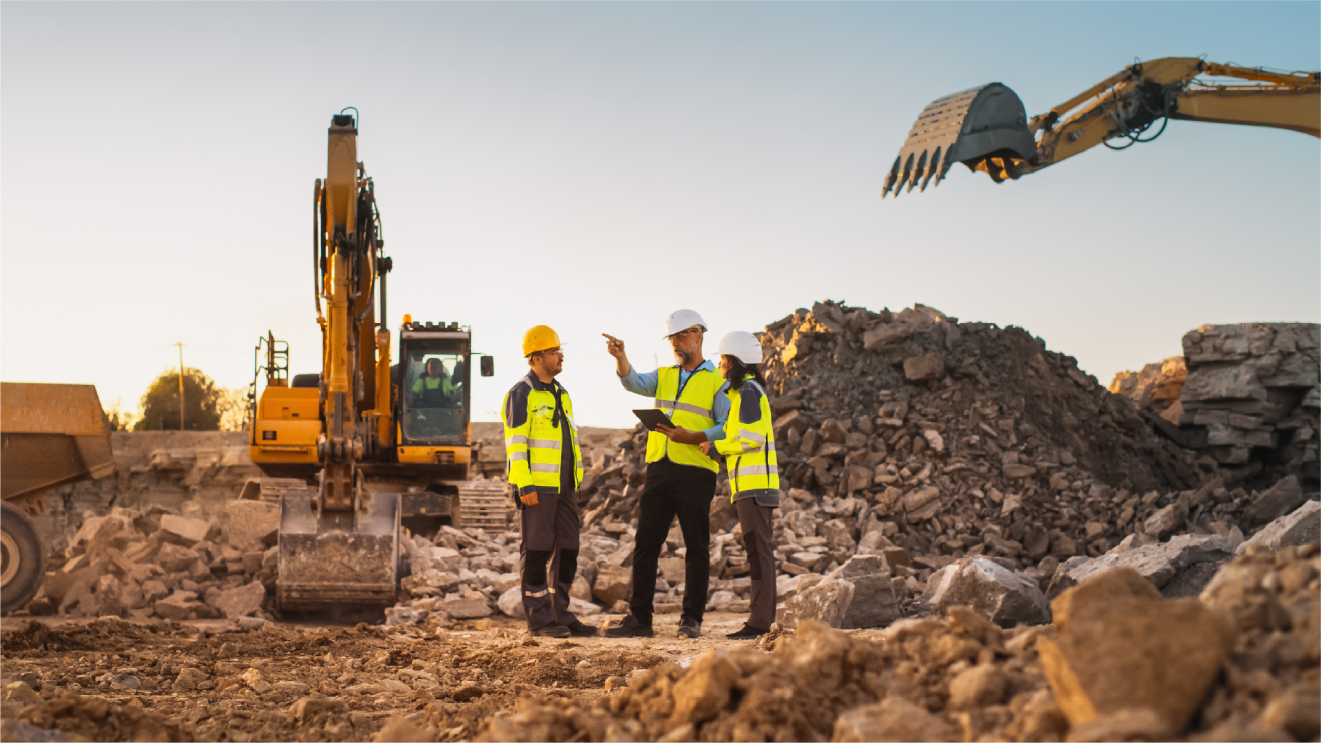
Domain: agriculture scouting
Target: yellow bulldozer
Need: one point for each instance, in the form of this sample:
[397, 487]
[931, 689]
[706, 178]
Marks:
[987, 129]
[52, 435]
[363, 448]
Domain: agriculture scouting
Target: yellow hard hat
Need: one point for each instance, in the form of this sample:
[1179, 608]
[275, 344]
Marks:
[539, 338]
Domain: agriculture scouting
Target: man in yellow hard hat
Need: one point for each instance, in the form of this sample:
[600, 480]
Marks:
[545, 467]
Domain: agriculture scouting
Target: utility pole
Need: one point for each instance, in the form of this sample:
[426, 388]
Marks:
[180, 345]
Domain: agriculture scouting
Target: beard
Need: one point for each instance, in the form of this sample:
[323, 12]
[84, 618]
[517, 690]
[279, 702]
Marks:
[682, 357]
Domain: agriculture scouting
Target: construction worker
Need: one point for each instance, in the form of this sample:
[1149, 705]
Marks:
[545, 468]
[754, 480]
[681, 480]
[435, 388]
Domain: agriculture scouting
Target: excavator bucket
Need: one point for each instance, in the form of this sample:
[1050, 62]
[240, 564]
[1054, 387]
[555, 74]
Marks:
[335, 558]
[984, 128]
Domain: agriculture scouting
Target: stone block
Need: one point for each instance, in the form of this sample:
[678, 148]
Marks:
[1180, 567]
[184, 531]
[925, 367]
[511, 603]
[1120, 645]
[874, 603]
[827, 602]
[886, 334]
[613, 583]
[179, 605]
[466, 607]
[252, 524]
[893, 718]
[244, 600]
[1238, 382]
[1293, 529]
[996, 593]
[1281, 498]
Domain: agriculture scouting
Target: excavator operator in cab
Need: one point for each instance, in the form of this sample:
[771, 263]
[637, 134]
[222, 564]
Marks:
[435, 389]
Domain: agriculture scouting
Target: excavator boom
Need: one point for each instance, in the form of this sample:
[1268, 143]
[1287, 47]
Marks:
[986, 128]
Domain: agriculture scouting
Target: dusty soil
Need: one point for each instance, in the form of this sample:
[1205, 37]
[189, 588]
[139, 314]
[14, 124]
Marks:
[214, 680]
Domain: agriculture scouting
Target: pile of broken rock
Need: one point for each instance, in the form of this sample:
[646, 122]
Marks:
[153, 563]
[910, 443]
[1120, 662]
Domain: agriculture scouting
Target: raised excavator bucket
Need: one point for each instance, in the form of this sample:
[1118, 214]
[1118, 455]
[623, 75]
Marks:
[984, 128]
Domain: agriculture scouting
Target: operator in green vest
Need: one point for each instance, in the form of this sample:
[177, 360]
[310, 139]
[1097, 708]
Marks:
[434, 389]
[754, 471]
[545, 467]
[681, 480]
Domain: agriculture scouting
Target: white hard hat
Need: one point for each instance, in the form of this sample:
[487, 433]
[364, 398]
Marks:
[741, 345]
[682, 320]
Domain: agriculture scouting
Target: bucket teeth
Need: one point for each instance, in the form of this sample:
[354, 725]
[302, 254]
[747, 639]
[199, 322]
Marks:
[918, 171]
[968, 127]
[891, 179]
[930, 171]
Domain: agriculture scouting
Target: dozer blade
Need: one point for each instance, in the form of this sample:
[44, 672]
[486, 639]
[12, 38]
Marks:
[971, 127]
[336, 558]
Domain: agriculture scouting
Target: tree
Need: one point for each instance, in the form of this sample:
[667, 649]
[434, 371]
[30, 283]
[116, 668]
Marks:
[160, 404]
[119, 418]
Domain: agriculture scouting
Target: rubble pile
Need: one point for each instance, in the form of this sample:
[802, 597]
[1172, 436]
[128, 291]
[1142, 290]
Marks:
[1255, 390]
[1155, 388]
[920, 441]
[894, 441]
[192, 473]
[157, 564]
[1120, 662]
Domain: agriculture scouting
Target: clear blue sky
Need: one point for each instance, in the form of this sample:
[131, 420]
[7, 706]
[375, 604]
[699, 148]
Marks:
[594, 166]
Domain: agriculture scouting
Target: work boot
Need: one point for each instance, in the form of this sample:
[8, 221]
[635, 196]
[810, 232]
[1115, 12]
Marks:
[551, 630]
[578, 629]
[629, 627]
[690, 627]
[747, 633]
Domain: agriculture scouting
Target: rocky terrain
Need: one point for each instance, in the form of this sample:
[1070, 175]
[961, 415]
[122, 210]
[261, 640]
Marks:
[973, 533]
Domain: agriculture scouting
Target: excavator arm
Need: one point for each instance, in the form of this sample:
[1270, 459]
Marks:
[987, 129]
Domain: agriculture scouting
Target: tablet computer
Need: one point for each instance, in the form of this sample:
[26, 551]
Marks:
[653, 417]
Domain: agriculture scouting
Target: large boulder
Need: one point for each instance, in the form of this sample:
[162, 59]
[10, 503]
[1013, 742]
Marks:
[1282, 498]
[252, 524]
[1120, 646]
[240, 601]
[874, 603]
[613, 583]
[1178, 568]
[996, 593]
[827, 602]
[1300, 527]
[184, 531]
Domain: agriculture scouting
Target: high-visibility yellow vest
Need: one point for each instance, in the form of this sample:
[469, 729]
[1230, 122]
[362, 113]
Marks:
[689, 408]
[749, 446]
[533, 448]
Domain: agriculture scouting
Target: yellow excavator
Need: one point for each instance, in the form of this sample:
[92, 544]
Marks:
[987, 128]
[363, 448]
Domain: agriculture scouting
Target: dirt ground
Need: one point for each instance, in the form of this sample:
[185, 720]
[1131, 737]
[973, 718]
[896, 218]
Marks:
[110, 679]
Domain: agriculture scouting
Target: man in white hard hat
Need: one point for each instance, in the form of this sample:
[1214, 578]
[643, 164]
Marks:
[681, 480]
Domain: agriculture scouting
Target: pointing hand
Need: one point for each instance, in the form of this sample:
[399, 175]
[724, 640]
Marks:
[614, 346]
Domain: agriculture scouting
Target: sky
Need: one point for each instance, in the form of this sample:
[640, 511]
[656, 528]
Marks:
[595, 166]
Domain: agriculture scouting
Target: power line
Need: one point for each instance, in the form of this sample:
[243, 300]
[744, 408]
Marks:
[87, 358]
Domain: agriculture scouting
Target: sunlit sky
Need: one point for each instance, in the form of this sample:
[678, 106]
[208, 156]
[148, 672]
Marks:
[594, 166]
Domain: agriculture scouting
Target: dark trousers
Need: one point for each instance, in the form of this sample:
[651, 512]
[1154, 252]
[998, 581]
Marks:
[549, 545]
[686, 492]
[757, 531]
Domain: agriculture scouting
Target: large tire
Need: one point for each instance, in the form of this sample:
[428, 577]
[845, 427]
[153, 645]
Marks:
[23, 559]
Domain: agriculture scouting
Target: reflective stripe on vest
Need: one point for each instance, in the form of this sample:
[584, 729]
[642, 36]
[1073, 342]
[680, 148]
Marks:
[534, 450]
[756, 467]
[689, 408]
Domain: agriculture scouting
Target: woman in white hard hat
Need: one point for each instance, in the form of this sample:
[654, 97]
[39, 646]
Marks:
[754, 480]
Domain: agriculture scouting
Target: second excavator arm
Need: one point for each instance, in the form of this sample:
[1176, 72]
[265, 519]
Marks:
[986, 128]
